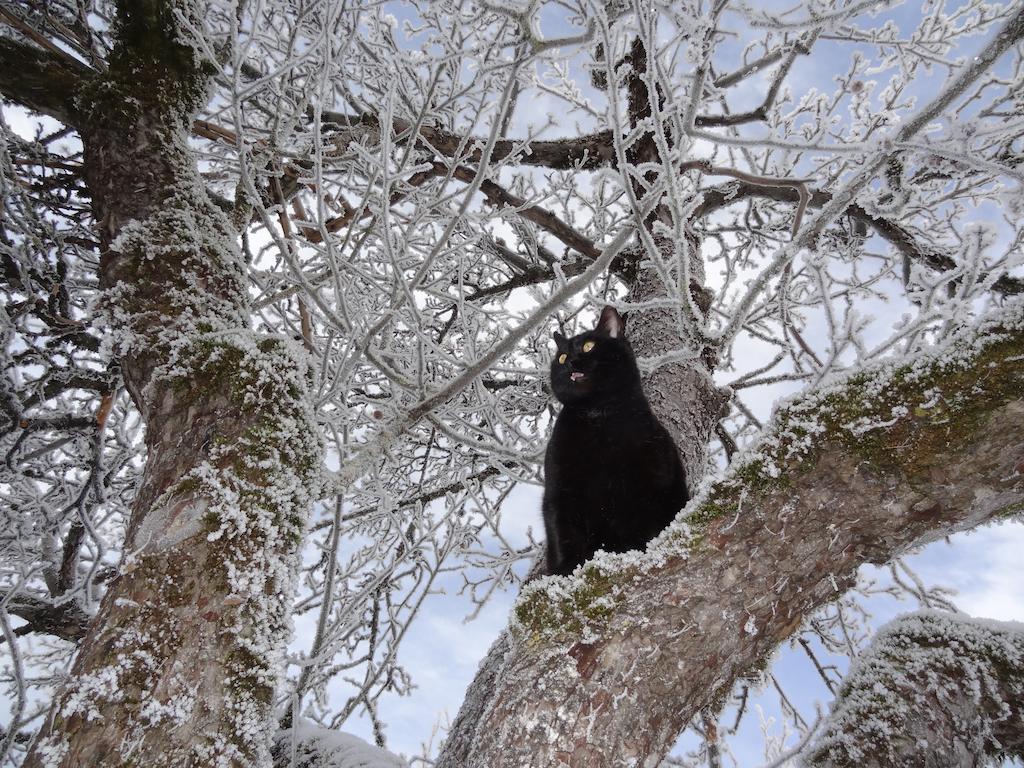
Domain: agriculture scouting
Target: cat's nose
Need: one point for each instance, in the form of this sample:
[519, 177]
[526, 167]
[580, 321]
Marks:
[575, 375]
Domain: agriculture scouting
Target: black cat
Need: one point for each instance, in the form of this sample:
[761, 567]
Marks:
[613, 476]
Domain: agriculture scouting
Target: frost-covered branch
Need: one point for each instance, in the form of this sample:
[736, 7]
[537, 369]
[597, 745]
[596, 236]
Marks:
[575, 153]
[67, 620]
[225, 491]
[907, 243]
[40, 80]
[1006, 37]
[473, 371]
[934, 688]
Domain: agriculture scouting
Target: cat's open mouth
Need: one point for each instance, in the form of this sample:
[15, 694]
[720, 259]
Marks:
[575, 375]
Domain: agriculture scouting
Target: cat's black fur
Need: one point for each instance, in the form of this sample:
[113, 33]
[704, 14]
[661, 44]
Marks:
[613, 479]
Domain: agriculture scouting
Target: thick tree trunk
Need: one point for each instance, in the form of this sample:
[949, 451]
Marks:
[605, 669]
[681, 393]
[180, 663]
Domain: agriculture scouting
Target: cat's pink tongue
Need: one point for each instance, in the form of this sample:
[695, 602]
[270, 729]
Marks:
[576, 375]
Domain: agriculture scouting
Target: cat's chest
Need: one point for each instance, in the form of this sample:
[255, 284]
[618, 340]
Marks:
[600, 438]
[600, 463]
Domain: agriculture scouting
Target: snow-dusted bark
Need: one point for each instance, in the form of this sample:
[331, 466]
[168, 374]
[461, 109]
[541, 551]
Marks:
[180, 663]
[305, 745]
[460, 742]
[934, 689]
[605, 668]
[681, 392]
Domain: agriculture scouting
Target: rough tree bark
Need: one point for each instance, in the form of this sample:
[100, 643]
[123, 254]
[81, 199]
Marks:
[681, 393]
[934, 689]
[180, 663]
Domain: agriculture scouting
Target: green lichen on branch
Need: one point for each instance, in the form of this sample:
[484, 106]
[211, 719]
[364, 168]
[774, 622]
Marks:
[138, 645]
[256, 486]
[180, 264]
[902, 417]
[234, 448]
[153, 73]
[214, 558]
[571, 607]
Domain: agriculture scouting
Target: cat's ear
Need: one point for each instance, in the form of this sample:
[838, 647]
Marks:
[611, 323]
[560, 340]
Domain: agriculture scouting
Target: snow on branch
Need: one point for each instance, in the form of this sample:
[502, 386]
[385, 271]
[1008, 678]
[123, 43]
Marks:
[40, 80]
[933, 689]
[309, 746]
[898, 236]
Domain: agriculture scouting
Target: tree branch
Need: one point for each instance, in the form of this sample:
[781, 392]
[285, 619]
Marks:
[758, 65]
[584, 153]
[760, 112]
[898, 236]
[495, 194]
[933, 689]
[66, 621]
[543, 218]
[857, 472]
[587, 152]
[40, 81]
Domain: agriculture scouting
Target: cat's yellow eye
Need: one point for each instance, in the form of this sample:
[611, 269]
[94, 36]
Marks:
[587, 346]
[561, 358]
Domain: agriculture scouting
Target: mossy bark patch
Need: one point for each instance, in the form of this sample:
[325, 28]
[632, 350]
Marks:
[899, 418]
[181, 663]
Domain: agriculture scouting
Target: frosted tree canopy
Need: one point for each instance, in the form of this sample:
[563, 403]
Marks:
[285, 272]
